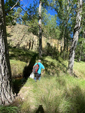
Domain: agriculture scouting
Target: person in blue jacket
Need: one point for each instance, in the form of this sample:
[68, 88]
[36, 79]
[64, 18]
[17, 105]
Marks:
[38, 74]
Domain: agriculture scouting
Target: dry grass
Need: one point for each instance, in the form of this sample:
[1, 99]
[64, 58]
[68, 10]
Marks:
[79, 69]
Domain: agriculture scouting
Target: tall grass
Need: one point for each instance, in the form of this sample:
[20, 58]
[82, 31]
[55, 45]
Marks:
[63, 94]
[8, 109]
[79, 69]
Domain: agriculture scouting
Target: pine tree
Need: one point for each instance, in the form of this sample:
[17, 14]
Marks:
[6, 94]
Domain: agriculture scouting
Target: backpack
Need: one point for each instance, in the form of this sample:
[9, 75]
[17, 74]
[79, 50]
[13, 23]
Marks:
[35, 68]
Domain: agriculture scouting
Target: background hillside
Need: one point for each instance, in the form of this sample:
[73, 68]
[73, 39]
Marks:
[18, 36]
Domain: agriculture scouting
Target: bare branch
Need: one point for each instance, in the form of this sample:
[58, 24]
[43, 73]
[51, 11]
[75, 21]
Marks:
[12, 7]
[24, 3]
[28, 15]
[23, 10]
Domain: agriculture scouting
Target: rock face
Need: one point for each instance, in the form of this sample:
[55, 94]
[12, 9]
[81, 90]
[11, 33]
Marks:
[18, 36]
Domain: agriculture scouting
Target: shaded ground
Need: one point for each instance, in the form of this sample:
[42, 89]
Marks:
[28, 69]
[24, 56]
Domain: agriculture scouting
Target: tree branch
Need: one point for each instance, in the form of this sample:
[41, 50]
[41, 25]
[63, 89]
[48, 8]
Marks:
[24, 3]
[12, 7]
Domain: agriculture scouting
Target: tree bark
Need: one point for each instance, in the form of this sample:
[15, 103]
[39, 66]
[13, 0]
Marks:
[75, 38]
[40, 29]
[6, 94]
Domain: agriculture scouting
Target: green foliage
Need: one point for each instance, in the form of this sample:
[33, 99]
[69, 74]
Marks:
[18, 16]
[66, 13]
[10, 19]
[30, 18]
[9, 4]
[32, 10]
[83, 17]
[25, 19]
[80, 50]
[45, 3]
[50, 28]
[8, 109]
[33, 27]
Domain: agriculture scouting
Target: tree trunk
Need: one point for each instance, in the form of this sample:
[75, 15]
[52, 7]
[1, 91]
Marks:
[40, 29]
[67, 22]
[6, 95]
[75, 38]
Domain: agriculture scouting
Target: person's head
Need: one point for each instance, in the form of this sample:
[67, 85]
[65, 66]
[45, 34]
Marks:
[39, 60]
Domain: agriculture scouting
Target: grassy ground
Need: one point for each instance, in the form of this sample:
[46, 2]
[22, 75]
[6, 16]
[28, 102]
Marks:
[56, 92]
[63, 94]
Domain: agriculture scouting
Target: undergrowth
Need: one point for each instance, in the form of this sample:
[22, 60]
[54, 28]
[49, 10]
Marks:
[63, 94]
[56, 92]
[8, 109]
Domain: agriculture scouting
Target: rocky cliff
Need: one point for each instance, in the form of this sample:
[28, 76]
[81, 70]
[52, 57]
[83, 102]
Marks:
[18, 36]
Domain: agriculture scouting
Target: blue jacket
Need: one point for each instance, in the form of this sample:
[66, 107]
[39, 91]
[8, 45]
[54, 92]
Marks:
[41, 66]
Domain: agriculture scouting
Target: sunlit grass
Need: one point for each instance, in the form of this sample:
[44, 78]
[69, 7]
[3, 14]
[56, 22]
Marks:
[56, 94]
[79, 69]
